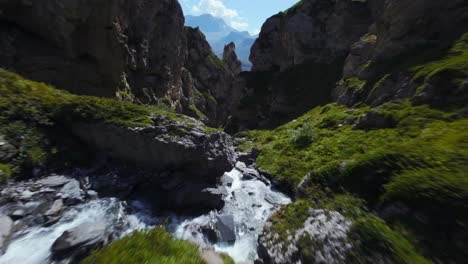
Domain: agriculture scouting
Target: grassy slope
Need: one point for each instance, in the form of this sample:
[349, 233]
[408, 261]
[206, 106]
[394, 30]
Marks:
[420, 163]
[155, 246]
[33, 118]
[152, 247]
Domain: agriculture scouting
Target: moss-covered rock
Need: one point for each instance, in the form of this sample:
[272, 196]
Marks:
[44, 124]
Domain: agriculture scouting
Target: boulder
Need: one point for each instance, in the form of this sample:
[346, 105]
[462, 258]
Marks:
[80, 240]
[6, 228]
[225, 228]
[55, 209]
[54, 181]
[175, 145]
[71, 193]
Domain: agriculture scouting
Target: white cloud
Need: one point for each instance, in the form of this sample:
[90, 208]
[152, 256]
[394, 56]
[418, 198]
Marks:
[239, 25]
[215, 8]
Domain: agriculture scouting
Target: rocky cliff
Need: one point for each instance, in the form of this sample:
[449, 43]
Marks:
[133, 50]
[414, 49]
[399, 82]
[317, 52]
[311, 31]
[297, 60]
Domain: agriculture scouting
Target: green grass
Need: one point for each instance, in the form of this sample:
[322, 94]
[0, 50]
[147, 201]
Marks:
[216, 61]
[42, 104]
[152, 247]
[5, 172]
[454, 60]
[420, 163]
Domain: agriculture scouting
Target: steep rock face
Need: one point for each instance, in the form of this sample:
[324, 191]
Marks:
[382, 65]
[135, 50]
[96, 47]
[312, 31]
[297, 61]
[209, 90]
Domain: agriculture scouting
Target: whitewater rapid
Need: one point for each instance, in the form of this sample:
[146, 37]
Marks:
[250, 202]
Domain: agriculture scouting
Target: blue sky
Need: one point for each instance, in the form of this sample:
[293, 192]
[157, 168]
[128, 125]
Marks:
[240, 14]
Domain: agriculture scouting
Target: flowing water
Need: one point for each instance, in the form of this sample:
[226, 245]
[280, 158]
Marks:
[249, 203]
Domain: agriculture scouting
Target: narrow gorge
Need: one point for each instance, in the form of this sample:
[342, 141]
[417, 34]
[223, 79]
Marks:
[125, 139]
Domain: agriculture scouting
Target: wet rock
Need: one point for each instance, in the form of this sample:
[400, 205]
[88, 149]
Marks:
[6, 228]
[55, 209]
[71, 193]
[18, 214]
[92, 195]
[54, 181]
[226, 180]
[250, 174]
[79, 240]
[226, 229]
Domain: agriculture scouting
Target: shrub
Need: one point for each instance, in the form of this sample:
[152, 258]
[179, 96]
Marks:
[302, 137]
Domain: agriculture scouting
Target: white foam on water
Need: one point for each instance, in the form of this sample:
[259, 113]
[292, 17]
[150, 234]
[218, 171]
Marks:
[34, 246]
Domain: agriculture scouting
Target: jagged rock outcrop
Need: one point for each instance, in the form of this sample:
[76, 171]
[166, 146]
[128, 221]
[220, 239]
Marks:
[382, 65]
[312, 31]
[230, 58]
[210, 88]
[135, 50]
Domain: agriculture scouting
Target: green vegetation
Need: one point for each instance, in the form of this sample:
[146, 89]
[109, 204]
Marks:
[5, 172]
[152, 247]
[216, 61]
[371, 237]
[421, 162]
[34, 119]
[454, 60]
[292, 8]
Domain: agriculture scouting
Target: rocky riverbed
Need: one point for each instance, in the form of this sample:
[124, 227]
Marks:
[60, 218]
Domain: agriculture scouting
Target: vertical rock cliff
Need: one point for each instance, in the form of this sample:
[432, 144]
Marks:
[134, 50]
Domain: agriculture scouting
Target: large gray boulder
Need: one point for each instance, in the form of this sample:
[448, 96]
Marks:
[167, 145]
[79, 240]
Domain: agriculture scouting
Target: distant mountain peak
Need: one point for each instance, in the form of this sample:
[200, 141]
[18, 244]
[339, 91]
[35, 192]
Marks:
[219, 33]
